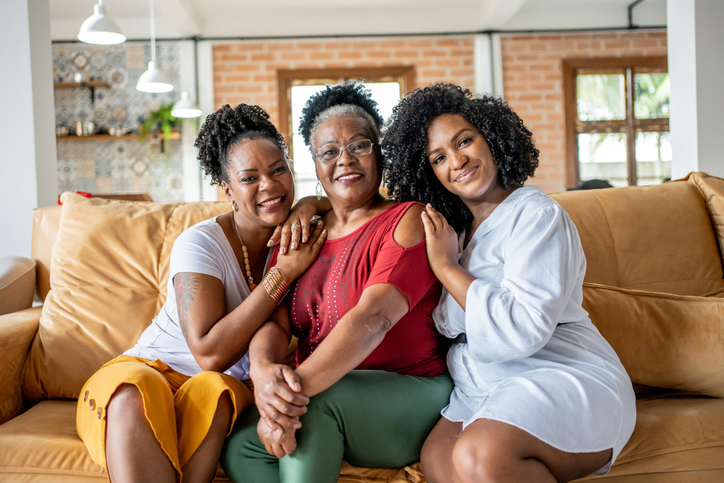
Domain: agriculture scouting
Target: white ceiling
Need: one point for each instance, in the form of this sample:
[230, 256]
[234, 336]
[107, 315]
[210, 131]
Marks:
[286, 18]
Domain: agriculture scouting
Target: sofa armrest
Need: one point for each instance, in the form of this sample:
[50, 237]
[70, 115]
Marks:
[17, 331]
[17, 284]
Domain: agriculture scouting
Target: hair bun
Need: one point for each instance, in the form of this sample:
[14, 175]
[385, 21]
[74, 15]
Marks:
[351, 92]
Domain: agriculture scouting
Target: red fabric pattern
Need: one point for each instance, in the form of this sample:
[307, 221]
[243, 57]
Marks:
[345, 267]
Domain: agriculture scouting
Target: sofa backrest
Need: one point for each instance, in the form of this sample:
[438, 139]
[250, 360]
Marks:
[45, 231]
[104, 264]
[653, 238]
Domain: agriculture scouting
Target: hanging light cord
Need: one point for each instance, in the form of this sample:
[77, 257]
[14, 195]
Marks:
[153, 37]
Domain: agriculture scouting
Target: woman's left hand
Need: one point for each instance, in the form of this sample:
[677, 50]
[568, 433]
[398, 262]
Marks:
[441, 241]
[276, 393]
[296, 227]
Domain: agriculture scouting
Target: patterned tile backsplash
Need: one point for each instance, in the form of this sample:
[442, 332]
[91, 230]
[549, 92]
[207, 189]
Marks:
[110, 165]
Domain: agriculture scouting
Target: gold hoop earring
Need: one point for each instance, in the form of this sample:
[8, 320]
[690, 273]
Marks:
[232, 206]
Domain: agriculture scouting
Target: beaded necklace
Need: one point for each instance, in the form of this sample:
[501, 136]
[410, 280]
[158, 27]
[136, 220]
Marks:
[247, 266]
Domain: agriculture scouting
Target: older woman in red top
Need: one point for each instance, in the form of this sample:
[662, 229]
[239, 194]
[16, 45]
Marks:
[370, 381]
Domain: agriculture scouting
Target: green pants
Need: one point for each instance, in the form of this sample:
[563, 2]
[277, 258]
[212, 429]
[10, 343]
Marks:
[369, 418]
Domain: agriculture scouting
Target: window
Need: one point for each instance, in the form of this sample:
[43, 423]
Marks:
[617, 120]
[296, 86]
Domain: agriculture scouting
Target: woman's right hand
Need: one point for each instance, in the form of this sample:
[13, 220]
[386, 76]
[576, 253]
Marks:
[277, 440]
[295, 262]
[277, 395]
[441, 241]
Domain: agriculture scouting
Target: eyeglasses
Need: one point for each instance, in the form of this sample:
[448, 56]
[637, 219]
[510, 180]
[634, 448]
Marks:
[360, 148]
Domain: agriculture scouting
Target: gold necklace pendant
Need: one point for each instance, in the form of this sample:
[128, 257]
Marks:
[247, 266]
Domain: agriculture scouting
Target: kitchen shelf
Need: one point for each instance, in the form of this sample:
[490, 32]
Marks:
[82, 85]
[77, 85]
[108, 137]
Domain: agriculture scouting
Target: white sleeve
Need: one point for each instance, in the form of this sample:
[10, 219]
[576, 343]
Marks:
[516, 318]
[196, 251]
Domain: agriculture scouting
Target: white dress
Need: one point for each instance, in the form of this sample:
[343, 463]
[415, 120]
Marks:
[202, 248]
[533, 358]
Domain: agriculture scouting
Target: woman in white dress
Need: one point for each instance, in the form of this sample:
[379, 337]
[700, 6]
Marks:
[539, 393]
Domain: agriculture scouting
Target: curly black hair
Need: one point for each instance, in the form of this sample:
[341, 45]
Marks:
[409, 176]
[227, 127]
[351, 92]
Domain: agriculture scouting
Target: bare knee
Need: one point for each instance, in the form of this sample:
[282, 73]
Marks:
[125, 404]
[478, 461]
[431, 459]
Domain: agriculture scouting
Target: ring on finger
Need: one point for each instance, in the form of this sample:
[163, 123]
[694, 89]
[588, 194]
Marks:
[296, 224]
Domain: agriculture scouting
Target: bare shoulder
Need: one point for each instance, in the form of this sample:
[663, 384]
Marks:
[410, 230]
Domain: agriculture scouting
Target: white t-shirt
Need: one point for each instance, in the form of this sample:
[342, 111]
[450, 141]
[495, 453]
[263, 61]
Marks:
[202, 248]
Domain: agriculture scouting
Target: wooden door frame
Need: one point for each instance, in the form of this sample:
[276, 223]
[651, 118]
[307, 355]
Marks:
[287, 78]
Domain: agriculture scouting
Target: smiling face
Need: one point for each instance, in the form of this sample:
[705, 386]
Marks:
[260, 182]
[349, 179]
[461, 159]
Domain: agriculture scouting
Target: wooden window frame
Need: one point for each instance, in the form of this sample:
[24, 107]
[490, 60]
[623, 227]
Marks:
[627, 66]
[287, 78]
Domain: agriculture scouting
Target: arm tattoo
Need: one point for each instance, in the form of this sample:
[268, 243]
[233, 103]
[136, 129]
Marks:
[187, 287]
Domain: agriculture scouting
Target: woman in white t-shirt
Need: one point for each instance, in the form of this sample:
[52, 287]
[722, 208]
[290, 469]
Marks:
[162, 409]
[539, 393]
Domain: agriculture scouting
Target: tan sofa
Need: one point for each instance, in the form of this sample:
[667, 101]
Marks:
[654, 288]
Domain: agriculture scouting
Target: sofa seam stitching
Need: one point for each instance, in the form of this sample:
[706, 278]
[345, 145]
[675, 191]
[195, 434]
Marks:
[613, 240]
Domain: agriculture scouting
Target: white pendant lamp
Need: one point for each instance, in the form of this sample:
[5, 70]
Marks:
[153, 80]
[185, 108]
[99, 29]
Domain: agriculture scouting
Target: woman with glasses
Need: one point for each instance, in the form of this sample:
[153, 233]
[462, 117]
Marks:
[369, 374]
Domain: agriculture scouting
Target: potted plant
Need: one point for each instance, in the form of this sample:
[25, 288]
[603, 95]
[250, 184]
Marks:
[158, 121]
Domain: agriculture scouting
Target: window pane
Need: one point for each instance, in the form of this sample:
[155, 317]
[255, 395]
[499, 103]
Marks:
[600, 97]
[387, 95]
[651, 96]
[306, 179]
[603, 156]
[653, 157]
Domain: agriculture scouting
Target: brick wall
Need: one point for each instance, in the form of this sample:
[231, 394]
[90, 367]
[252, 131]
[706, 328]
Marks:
[532, 73]
[246, 71]
[533, 84]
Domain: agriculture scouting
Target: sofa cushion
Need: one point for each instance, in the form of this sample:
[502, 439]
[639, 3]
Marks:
[43, 441]
[678, 434]
[712, 190]
[45, 231]
[108, 275]
[678, 437]
[663, 340]
[652, 238]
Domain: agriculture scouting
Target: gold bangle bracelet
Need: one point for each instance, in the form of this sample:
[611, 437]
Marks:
[275, 285]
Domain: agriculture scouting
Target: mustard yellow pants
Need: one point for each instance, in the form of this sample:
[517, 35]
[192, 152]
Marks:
[179, 408]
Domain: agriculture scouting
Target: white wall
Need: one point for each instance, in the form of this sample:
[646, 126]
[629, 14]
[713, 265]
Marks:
[206, 104]
[696, 72]
[28, 166]
[187, 80]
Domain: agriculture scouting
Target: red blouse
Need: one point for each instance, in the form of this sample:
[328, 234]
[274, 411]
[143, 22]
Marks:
[344, 268]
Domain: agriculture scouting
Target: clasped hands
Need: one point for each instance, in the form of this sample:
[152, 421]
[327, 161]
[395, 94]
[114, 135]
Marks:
[277, 391]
